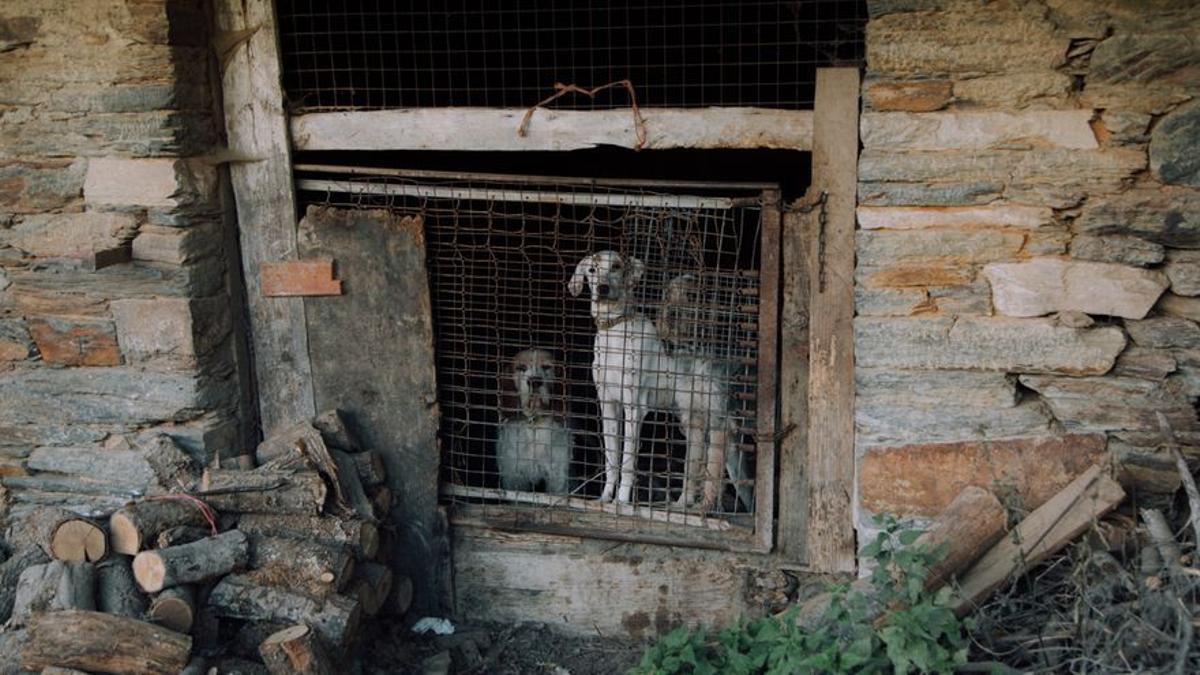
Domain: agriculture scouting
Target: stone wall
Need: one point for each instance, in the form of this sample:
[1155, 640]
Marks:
[1027, 275]
[115, 318]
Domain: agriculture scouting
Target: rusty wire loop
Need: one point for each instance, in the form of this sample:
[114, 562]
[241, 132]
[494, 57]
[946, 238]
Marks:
[560, 90]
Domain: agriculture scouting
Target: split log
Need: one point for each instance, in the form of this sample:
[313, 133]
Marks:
[88, 506]
[373, 586]
[55, 670]
[965, 529]
[1185, 476]
[174, 608]
[381, 501]
[136, 525]
[1163, 539]
[54, 586]
[264, 491]
[118, 592]
[1042, 533]
[402, 595]
[191, 563]
[62, 534]
[335, 619]
[296, 650]
[305, 566]
[183, 534]
[351, 486]
[12, 641]
[10, 573]
[371, 471]
[335, 432]
[102, 643]
[283, 444]
[361, 536]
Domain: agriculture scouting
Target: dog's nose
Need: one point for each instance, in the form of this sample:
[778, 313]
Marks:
[603, 290]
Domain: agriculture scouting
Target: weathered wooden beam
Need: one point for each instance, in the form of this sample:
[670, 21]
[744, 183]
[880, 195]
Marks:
[256, 126]
[830, 465]
[496, 129]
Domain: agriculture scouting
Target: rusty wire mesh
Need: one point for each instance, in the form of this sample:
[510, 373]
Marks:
[374, 54]
[500, 256]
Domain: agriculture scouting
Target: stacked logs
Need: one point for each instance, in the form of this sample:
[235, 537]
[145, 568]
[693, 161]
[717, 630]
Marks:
[285, 556]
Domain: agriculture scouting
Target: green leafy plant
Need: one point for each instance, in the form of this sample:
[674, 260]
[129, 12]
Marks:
[919, 634]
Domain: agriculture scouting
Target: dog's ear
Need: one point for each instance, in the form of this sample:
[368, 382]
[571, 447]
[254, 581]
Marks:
[575, 285]
[636, 269]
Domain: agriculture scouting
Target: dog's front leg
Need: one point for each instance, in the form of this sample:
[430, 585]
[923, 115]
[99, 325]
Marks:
[693, 464]
[632, 426]
[610, 423]
[714, 471]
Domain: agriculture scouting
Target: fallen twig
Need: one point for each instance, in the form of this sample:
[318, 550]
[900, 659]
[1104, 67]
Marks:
[639, 122]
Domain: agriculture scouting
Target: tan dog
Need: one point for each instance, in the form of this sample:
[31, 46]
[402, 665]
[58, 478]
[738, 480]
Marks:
[533, 445]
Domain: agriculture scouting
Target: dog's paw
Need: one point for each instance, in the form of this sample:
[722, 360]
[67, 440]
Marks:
[607, 494]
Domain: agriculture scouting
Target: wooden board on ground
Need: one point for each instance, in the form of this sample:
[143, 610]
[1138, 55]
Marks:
[1050, 527]
[385, 384]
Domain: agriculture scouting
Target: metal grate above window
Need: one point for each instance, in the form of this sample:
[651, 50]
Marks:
[375, 54]
[676, 284]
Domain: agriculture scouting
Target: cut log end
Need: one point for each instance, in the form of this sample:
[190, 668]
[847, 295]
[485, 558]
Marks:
[79, 540]
[150, 571]
[368, 541]
[124, 534]
[174, 608]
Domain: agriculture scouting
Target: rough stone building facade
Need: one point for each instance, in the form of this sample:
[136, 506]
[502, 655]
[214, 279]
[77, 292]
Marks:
[115, 311]
[1028, 218]
[1027, 285]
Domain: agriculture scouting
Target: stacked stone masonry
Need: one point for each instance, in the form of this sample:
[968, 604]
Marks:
[1028, 265]
[115, 319]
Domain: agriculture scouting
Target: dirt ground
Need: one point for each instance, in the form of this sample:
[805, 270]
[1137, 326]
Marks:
[527, 648]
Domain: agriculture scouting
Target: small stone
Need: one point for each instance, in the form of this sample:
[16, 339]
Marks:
[1117, 249]
[994, 215]
[909, 96]
[985, 343]
[1169, 216]
[171, 332]
[1047, 285]
[72, 235]
[905, 275]
[39, 186]
[176, 245]
[1073, 319]
[1142, 58]
[1178, 305]
[1014, 90]
[15, 342]
[1173, 145]
[890, 301]
[75, 341]
[1183, 269]
[877, 386]
[981, 130]
[973, 298]
[946, 247]
[1148, 364]
[1164, 332]
[1113, 403]
[897, 424]
[1127, 126]
[923, 478]
[148, 182]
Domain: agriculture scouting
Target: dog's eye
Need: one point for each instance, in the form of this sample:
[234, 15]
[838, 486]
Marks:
[591, 270]
[521, 369]
[616, 267]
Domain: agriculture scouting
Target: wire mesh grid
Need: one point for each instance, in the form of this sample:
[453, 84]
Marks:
[668, 289]
[375, 54]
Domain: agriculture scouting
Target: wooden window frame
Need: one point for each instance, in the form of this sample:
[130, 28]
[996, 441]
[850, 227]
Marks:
[814, 521]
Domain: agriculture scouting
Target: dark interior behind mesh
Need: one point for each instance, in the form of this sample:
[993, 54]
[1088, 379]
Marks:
[373, 54]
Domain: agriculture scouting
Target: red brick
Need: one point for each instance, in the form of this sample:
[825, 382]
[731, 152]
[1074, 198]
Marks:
[76, 341]
[921, 479]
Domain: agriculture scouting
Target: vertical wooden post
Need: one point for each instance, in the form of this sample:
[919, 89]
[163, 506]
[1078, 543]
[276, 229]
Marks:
[256, 124]
[830, 466]
[764, 479]
[793, 386]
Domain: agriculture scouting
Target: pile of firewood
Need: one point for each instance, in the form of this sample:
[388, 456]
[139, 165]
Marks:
[280, 562]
